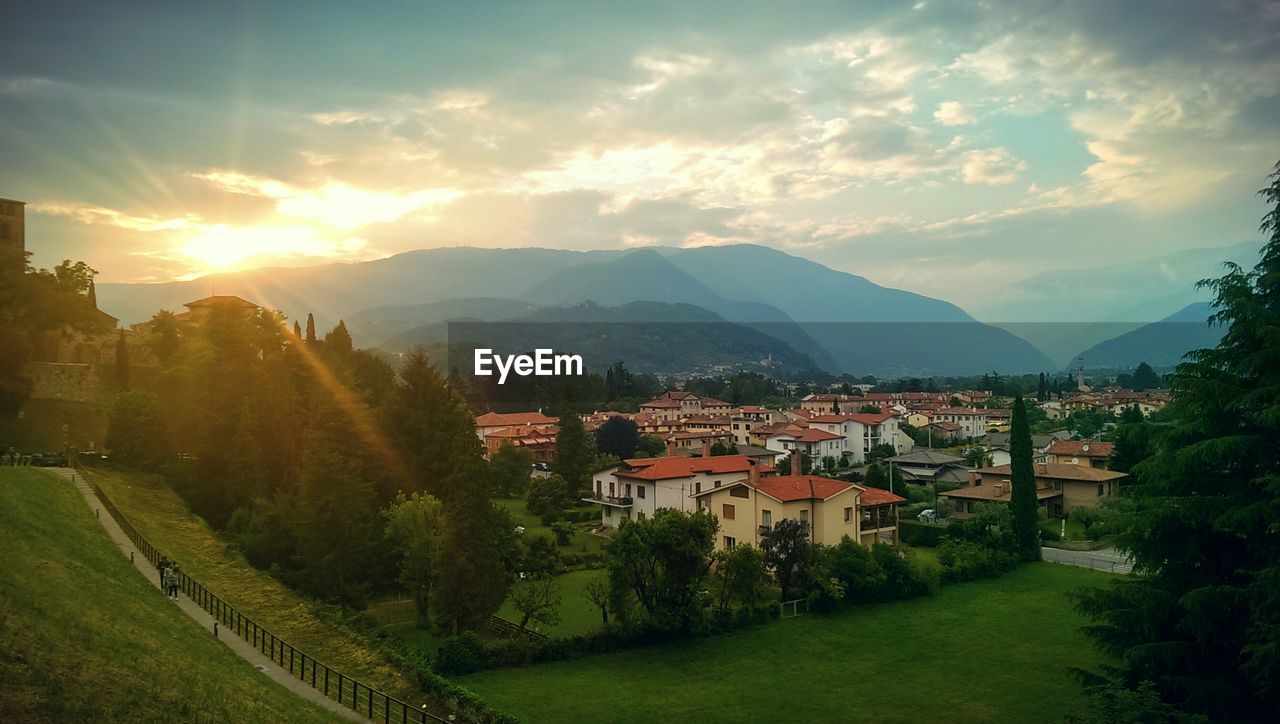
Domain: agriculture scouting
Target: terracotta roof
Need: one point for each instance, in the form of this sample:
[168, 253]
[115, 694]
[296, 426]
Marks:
[1081, 448]
[788, 488]
[948, 426]
[493, 419]
[988, 492]
[1061, 471]
[875, 496]
[870, 418]
[669, 467]
[926, 457]
[526, 433]
[663, 402]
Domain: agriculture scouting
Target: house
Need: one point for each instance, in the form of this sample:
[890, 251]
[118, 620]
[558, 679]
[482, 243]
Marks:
[928, 466]
[748, 509]
[814, 442]
[491, 422]
[827, 403]
[1090, 453]
[675, 404]
[1060, 488]
[972, 421]
[696, 439]
[919, 419]
[636, 488]
[541, 441]
[945, 430]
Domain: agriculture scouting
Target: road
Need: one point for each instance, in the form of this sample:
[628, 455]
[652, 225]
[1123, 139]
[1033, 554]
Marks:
[1105, 559]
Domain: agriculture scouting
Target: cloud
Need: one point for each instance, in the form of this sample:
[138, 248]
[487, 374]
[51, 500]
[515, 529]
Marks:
[952, 113]
[992, 167]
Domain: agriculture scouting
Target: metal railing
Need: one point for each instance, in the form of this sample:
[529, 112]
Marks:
[348, 691]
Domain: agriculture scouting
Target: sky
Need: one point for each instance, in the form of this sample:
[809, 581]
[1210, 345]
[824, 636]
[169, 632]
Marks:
[943, 148]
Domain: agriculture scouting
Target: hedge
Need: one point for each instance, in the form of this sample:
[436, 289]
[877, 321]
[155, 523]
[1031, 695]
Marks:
[915, 533]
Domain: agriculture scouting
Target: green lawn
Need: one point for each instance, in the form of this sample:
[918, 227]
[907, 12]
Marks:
[577, 614]
[994, 650]
[163, 518]
[84, 637]
[581, 542]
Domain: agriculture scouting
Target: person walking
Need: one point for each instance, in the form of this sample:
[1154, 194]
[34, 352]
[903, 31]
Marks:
[171, 582]
[163, 567]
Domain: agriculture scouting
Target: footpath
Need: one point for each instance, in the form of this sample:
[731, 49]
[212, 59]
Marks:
[242, 648]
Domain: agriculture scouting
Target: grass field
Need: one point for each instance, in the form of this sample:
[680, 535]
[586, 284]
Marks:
[577, 614]
[83, 637]
[581, 542]
[994, 650]
[162, 517]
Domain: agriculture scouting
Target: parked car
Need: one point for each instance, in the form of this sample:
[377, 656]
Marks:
[928, 516]
[49, 460]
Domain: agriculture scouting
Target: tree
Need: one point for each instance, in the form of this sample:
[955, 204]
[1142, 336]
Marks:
[739, 578]
[575, 453]
[663, 561]
[538, 599]
[311, 329]
[1201, 622]
[136, 434]
[548, 495]
[338, 340]
[1042, 389]
[164, 336]
[650, 446]
[122, 362]
[787, 554]
[618, 436]
[1145, 378]
[429, 423]
[835, 407]
[511, 468]
[1024, 506]
[976, 456]
[719, 448]
[1135, 442]
[297, 330]
[471, 580]
[598, 594]
[414, 526]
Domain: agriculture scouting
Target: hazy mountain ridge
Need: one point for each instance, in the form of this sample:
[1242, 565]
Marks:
[1160, 344]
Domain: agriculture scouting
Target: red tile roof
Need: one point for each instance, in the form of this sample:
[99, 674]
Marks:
[1060, 471]
[875, 496]
[493, 419]
[1081, 448]
[787, 488]
[669, 467]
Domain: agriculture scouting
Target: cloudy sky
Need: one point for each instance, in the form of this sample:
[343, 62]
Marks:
[939, 147]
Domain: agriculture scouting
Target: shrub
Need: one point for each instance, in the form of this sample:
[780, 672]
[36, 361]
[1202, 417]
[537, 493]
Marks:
[966, 560]
[900, 579]
[462, 654]
[914, 533]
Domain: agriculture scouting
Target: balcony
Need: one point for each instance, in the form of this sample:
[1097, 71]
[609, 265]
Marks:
[765, 530]
[615, 501]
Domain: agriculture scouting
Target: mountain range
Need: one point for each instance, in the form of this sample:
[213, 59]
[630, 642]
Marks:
[840, 321]
[1160, 344]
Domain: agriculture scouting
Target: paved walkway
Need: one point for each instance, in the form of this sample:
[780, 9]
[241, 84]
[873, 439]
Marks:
[242, 648]
[1105, 559]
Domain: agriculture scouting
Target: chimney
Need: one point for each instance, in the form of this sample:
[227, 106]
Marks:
[706, 447]
[671, 446]
[796, 462]
[973, 479]
[753, 472]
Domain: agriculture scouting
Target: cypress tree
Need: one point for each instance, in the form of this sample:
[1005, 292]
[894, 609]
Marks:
[1022, 475]
[122, 362]
[575, 452]
[311, 329]
[297, 330]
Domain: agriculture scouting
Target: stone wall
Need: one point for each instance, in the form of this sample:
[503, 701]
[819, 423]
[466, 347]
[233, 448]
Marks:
[63, 381]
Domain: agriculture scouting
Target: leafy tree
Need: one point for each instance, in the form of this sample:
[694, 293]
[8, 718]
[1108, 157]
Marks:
[1145, 378]
[663, 561]
[1024, 506]
[787, 553]
[575, 453]
[548, 495]
[414, 526]
[720, 448]
[853, 566]
[617, 436]
[136, 434]
[537, 599]
[1201, 623]
[540, 556]
[650, 446]
[869, 409]
[739, 578]
[976, 456]
[598, 594]
[511, 468]
[164, 339]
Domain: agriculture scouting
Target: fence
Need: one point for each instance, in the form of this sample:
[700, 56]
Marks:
[360, 698]
[797, 607]
[509, 630]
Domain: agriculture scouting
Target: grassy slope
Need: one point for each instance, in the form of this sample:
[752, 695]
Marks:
[577, 614]
[162, 517]
[84, 638]
[988, 651]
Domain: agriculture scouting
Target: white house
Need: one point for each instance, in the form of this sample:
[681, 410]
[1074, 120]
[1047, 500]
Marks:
[636, 488]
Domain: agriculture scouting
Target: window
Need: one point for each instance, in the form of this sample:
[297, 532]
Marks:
[640, 492]
[848, 515]
[1099, 490]
[717, 483]
[728, 512]
[697, 487]
[598, 488]
[766, 518]
[628, 490]
[613, 489]
[740, 492]
[804, 516]
[730, 541]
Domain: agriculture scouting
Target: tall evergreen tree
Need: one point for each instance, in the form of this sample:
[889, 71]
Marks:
[297, 330]
[338, 340]
[575, 453]
[428, 422]
[1145, 378]
[471, 582]
[1023, 504]
[1042, 390]
[122, 362]
[1202, 623]
[311, 328]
